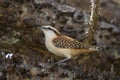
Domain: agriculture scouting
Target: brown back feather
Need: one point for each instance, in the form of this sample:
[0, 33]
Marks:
[67, 42]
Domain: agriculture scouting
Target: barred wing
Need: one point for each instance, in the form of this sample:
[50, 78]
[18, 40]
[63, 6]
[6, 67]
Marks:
[67, 42]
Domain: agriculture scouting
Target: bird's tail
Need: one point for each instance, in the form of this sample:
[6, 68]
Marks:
[96, 48]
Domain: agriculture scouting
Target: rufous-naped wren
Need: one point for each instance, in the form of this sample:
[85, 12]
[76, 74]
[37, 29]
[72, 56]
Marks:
[62, 45]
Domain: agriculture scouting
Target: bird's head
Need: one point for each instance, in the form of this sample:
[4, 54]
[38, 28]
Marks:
[49, 30]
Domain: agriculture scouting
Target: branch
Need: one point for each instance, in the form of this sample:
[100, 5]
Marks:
[92, 24]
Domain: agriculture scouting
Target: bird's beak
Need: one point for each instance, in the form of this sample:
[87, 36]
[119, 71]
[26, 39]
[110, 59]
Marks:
[38, 26]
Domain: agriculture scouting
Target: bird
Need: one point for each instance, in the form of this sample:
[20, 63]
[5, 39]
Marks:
[63, 45]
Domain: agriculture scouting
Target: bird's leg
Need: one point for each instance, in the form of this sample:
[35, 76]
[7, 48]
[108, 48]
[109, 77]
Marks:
[61, 61]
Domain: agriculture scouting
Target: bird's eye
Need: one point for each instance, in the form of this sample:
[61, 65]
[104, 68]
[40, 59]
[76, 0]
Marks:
[49, 28]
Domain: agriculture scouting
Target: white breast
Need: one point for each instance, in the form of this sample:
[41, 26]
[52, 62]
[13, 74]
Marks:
[49, 36]
[53, 49]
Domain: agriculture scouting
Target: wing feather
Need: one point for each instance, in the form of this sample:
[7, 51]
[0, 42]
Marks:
[67, 42]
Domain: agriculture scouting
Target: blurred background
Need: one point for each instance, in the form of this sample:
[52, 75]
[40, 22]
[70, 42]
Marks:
[22, 51]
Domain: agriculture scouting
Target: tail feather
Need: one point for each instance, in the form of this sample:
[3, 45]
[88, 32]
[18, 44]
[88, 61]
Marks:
[96, 48]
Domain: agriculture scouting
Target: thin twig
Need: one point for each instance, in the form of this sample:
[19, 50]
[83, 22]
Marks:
[20, 75]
